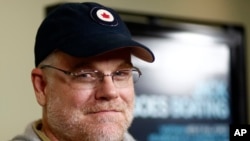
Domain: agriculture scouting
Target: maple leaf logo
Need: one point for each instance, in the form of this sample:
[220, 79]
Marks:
[104, 15]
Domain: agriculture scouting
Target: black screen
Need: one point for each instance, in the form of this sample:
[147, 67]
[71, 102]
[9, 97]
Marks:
[196, 87]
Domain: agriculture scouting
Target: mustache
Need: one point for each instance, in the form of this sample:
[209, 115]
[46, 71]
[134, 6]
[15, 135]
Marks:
[104, 106]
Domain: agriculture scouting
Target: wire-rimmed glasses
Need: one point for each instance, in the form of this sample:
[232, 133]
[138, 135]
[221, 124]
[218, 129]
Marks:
[88, 78]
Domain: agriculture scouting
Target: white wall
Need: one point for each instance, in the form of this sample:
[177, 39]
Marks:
[20, 20]
[18, 24]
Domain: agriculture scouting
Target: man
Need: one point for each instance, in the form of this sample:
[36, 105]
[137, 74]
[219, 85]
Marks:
[84, 75]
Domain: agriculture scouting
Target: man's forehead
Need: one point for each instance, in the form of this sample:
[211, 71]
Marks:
[115, 57]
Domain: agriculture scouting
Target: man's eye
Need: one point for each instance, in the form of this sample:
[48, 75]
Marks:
[122, 74]
[86, 77]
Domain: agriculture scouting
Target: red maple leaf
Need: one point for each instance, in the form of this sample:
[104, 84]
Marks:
[104, 15]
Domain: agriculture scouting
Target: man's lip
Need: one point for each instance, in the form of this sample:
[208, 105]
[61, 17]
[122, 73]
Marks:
[104, 111]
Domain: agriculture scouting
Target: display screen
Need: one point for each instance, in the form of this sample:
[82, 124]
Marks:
[185, 94]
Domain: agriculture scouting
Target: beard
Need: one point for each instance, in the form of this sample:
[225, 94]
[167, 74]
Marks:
[84, 123]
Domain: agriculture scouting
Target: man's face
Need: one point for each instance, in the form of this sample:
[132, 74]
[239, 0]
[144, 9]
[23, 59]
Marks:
[100, 113]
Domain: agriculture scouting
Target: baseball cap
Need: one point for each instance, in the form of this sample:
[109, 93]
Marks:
[85, 30]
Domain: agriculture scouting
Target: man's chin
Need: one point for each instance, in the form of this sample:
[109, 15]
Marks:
[107, 131]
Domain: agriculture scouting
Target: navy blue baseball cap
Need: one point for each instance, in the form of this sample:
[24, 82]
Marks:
[85, 30]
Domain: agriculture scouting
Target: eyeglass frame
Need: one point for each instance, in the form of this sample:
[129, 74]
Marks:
[98, 74]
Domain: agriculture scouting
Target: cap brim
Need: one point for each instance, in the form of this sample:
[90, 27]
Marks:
[78, 47]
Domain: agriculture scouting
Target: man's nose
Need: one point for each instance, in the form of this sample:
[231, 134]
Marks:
[107, 89]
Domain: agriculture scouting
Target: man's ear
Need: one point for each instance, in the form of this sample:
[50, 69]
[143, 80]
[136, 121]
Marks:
[39, 85]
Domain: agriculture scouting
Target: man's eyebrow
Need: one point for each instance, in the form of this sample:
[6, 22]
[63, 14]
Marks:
[125, 65]
[82, 65]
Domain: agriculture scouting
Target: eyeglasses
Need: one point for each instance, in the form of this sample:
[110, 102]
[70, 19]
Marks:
[88, 79]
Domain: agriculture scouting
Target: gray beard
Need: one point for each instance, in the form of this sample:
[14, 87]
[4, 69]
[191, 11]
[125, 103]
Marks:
[68, 126]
